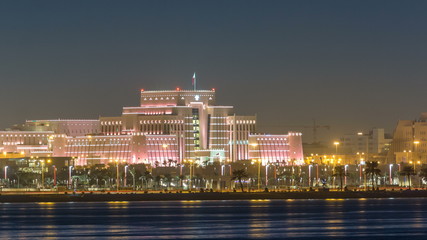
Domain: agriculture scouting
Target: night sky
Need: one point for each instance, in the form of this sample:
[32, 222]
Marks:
[353, 65]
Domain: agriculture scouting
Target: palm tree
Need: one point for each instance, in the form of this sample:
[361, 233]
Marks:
[132, 172]
[372, 170]
[168, 179]
[145, 177]
[181, 180]
[97, 175]
[198, 179]
[339, 171]
[158, 179]
[26, 178]
[239, 175]
[423, 174]
[282, 176]
[408, 171]
[170, 162]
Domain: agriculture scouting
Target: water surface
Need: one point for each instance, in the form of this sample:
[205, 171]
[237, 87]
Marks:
[275, 219]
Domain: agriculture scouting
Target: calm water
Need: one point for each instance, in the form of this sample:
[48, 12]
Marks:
[308, 219]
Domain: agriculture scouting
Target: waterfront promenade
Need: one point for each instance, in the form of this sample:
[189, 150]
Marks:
[195, 196]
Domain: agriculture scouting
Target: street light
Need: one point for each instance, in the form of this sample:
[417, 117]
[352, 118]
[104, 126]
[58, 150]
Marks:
[255, 145]
[5, 172]
[42, 163]
[70, 168]
[391, 174]
[361, 162]
[181, 165]
[418, 162]
[54, 175]
[258, 160]
[412, 162]
[266, 173]
[191, 173]
[117, 174]
[259, 172]
[416, 143]
[345, 174]
[125, 180]
[336, 147]
[190, 161]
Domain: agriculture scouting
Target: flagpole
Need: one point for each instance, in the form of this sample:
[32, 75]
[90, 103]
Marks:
[194, 76]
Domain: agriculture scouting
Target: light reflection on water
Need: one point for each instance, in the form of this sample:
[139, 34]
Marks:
[256, 219]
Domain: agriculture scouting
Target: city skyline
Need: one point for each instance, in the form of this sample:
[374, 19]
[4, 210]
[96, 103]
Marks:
[191, 119]
[305, 126]
[347, 65]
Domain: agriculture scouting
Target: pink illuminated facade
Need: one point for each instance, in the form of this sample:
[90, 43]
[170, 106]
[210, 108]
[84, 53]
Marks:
[285, 149]
[166, 128]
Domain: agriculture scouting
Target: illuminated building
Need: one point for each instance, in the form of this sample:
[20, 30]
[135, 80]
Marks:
[373, 142]
[276, 148]
[166, 128]
[409, 142]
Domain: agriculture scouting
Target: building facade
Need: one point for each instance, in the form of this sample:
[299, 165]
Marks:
[372, 142]
[409, 144]
[168, 127]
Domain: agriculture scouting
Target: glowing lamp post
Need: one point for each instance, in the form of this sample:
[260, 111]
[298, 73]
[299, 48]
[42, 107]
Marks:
[125, 180]
[345, 174]
[191, 173]
[190, 181]
[336, 147]
[259, 171]
[361, 162]
[259, 160]
[117, 174]
[266, 174]
[391, 174]
[5, 172]
[70, 168]
[42, 163]
[416, 143]
[54, 175]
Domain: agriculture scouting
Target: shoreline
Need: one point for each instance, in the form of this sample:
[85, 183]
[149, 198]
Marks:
[130, 196]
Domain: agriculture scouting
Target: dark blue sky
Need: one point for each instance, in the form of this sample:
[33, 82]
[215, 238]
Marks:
[353, 65]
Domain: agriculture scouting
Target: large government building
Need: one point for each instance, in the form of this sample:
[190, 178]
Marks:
[167, 127]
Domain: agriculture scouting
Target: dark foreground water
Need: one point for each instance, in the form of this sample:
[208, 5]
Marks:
[279, 219]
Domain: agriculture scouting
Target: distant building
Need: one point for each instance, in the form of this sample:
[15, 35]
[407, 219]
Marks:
[409, 144]
[167, 127]
[373, 142]
[70, 127]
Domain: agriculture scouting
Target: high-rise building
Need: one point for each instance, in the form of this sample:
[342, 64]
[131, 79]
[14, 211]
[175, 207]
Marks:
[168, 127]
